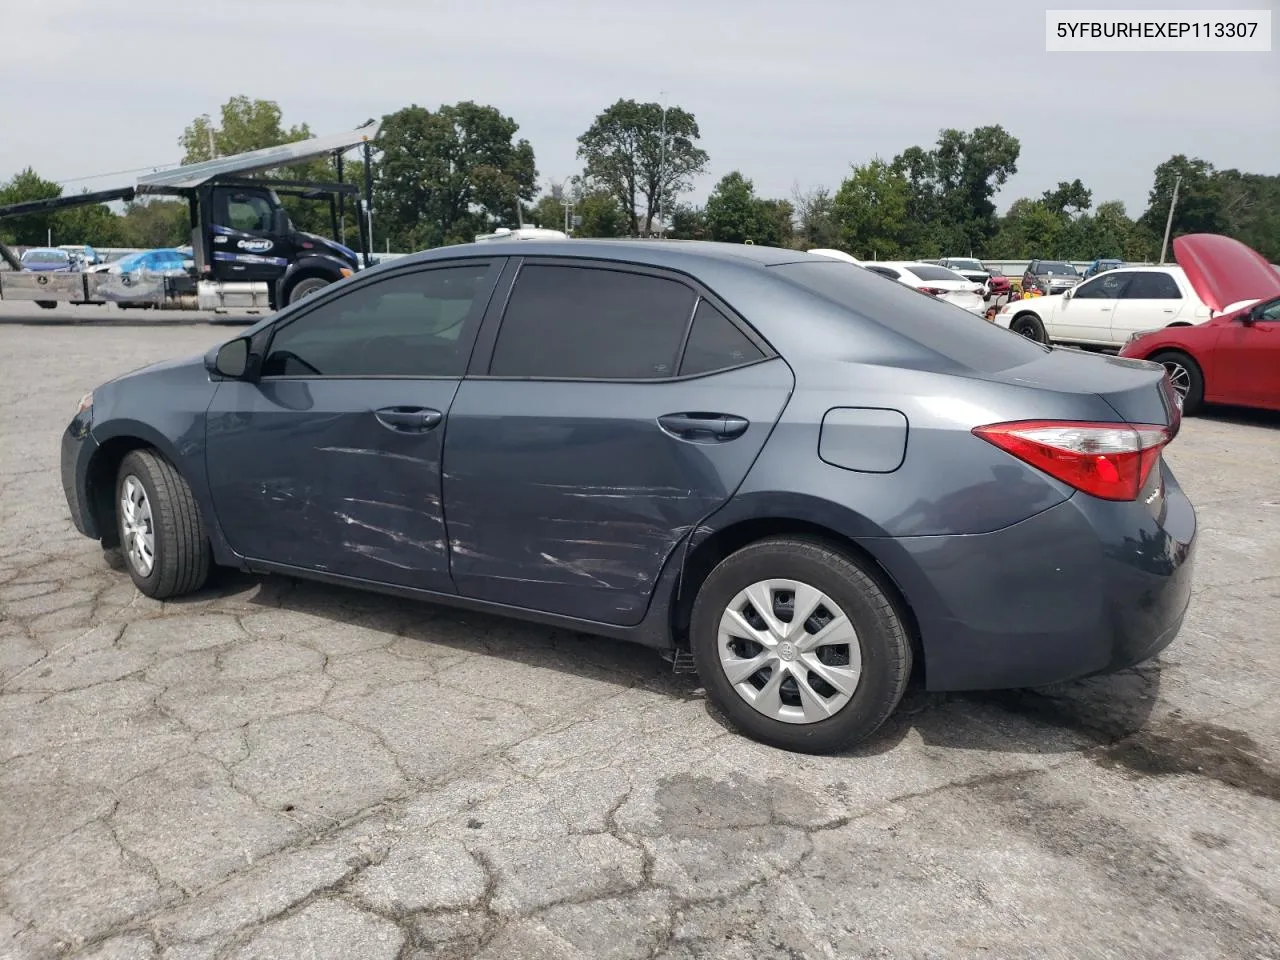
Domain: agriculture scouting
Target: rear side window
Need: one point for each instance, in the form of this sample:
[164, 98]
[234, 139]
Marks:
[1152, 286]
[715, 344]
[586, 323]
[1109, 286]
[961, 337]
[886, 272]
[934, 273]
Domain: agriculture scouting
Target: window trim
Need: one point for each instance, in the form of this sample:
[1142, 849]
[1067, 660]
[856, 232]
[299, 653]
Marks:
[474, 319]
[486, 341]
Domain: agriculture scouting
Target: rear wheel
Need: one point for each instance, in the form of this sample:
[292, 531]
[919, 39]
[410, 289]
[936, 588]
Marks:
[1029, 325]
[1186, 377]
[46, 304]
[799, 646]
[305, 287]
[162, 535]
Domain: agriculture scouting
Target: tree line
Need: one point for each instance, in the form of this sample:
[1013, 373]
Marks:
[442, 176]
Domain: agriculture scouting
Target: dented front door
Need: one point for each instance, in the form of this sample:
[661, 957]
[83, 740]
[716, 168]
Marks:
[339, 476]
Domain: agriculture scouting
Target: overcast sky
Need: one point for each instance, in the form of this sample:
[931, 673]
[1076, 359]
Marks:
[788, 92]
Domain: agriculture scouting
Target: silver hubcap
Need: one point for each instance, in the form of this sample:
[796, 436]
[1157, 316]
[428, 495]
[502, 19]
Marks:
[136, 526]
[1179, 376]
[789, 651]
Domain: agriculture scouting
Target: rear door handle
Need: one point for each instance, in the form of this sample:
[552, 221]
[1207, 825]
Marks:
[704, 427]
[409, 419]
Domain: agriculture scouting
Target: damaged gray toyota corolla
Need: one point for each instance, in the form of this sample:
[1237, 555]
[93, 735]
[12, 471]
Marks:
[805, 476]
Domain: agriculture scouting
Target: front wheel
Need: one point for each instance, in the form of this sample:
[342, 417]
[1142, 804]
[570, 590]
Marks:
[305, 287]
[1186, 377]
[1030, 326]
[162, 534]
[799, 646]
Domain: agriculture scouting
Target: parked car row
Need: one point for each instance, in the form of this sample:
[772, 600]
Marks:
[1219, 338]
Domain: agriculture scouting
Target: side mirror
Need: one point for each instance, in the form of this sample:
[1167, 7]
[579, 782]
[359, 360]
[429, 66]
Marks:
[229, 360]
[1068, 293]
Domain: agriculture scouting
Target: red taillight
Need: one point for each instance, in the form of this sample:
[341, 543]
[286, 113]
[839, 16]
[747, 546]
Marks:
[1107, 460]
[932, 291]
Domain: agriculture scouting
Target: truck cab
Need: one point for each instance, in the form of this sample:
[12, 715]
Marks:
[248, 238]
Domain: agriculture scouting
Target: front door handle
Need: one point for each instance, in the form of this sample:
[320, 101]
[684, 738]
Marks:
[409, 419]
[704, 427]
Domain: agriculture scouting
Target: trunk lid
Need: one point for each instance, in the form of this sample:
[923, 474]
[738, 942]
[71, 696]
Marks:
[1138, 391]
[1224, 271]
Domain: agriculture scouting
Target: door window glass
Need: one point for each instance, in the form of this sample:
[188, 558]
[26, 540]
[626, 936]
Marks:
[418, 324]
[586, 323]
[249, 212]
[1109, 286]
[1152, 286]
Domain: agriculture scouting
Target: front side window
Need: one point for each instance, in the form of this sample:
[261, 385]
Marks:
[588, 323]
[419, 324]
[1270, 312]
[248, 212]
[1109, 286]
[1152, 286]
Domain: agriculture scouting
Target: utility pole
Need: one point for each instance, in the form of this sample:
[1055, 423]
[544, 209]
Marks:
[1168, 226]
[662, 162]
[213, 151]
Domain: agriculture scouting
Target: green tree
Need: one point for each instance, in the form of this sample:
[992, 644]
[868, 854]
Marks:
[688, 223]
[1066, 196]
[155, 223]
[1030, 229]
[443, 177]
[777, 221]
[816, 226]
[643, 157]
[1249, 209]
[244, 125]
[31, 229]
[950, 207]
[870, 211]
[733, 211]
[1199, 197]
[95, 224]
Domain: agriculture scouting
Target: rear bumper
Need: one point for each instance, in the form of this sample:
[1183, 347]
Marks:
[78, 448]
[1085, 587]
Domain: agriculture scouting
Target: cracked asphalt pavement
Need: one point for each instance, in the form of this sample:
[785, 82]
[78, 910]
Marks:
[276, 769]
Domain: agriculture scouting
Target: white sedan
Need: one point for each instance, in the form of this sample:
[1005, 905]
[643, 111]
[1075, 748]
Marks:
[936, 281]
[1107, 309]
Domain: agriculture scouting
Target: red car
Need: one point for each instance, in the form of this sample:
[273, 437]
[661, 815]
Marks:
[1234, 357]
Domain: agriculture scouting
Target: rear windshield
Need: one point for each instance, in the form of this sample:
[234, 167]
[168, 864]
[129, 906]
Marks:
[965, 265]
[45, 256]
[943, 328]
[934, 273]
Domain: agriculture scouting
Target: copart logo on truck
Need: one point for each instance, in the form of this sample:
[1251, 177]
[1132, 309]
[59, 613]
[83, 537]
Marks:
[255, 246]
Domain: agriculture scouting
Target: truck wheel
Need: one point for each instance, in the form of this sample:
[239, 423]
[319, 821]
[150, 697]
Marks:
[46, 304]
[799, 646]
[305, 287]
[162, 534]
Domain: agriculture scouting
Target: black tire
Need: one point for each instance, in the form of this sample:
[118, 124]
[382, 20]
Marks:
[1174, 360]
[46, 304]
[1029, 325]
[882, 637]
[181, 553]
[305, 287]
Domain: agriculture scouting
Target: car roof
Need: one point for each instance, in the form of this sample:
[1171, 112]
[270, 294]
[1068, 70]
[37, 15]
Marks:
[650, 252]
